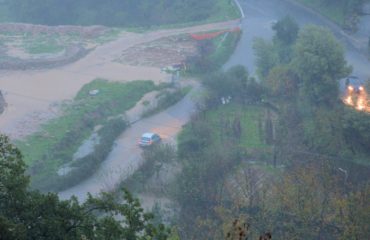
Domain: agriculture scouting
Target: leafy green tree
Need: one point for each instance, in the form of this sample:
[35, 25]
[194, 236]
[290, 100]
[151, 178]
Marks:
[286, 30]
[266, 57]
[279, 51]
[156, 157]
[231, 83]
[282, 82]
[324, 131]
[356, 130]
[234, 83]
[312, 201]
[26, 214]
[319, 63]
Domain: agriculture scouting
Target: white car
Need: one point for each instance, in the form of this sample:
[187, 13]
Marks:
[148, 139]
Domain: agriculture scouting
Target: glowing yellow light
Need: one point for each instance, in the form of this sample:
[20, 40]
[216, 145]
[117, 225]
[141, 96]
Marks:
[350, 88]
[360, 104]
[349, 100]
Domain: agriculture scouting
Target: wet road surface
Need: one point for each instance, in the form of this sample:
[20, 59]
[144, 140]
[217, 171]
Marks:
[261, 14]
[126, 155]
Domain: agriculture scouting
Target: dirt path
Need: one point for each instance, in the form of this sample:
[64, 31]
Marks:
[29, 92]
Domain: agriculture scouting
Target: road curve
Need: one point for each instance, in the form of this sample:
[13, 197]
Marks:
[126, 155]
[261, 14]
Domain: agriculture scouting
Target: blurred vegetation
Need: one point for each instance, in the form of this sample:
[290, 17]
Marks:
[130, 13]
[84, 167]
[305, 180]
[343, 12]
[213, 53]
[26, 214]
[166, 99]
[155, 159]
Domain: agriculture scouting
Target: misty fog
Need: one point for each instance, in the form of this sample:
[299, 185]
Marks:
[184, 119]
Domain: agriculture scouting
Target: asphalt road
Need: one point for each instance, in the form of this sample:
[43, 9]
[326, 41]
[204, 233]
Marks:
[261, 14]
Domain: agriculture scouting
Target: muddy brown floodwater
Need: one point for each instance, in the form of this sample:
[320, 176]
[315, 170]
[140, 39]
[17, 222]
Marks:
[34, 93]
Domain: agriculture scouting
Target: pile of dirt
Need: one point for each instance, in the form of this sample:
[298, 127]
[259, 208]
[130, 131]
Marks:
[160, 53]
[21, 28]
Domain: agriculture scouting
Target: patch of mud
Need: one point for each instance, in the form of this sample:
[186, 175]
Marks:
[71, 54]
[160, 53]
[27, 46]
[30, 123]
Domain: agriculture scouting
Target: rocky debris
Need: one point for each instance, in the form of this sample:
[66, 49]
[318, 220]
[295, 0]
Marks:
[2, 103]
[160, 53]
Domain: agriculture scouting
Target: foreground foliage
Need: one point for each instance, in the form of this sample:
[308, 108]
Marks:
[26, 214]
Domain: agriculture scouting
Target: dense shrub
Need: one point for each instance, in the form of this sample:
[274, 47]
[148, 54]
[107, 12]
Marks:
[86, 166]
[126, 13]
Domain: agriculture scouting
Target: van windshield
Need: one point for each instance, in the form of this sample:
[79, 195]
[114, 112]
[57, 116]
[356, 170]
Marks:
[145, 139]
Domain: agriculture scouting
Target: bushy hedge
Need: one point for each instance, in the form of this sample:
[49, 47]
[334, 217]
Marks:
[167, 100]
[86, 166]
[213, 53]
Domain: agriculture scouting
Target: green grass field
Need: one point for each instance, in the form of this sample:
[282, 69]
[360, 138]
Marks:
[43, 47]
[250, 117]
[225, 10]
[252, 132]
[60, 138]
[225, 46]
